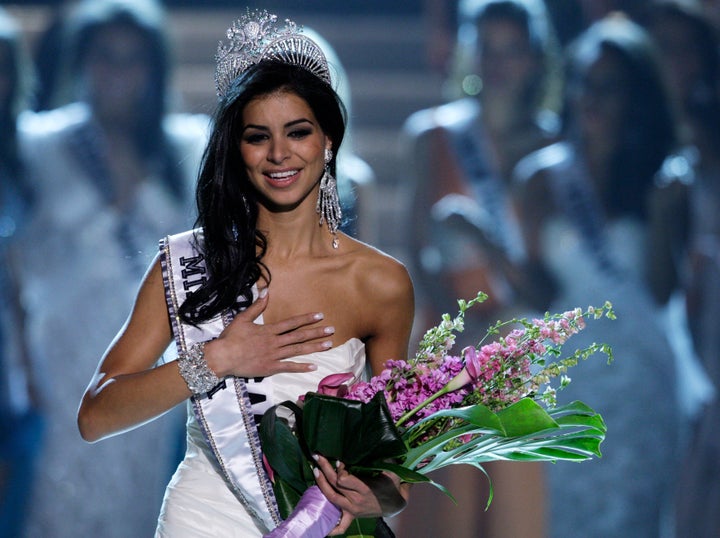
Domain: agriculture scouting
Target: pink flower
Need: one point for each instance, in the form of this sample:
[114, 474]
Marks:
[335, 385]
[473, 361]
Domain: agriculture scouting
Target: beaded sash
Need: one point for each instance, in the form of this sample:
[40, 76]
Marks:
[225, 416]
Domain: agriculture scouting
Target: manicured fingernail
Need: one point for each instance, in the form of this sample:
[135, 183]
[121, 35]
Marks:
[263, 293]
[329, 330]
[319, 315]
[312, 367]
[316, 472]
[327, 345]
[315, 457]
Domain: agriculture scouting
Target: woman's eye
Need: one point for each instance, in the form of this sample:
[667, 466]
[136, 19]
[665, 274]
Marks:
[300, 133]
[254, 138]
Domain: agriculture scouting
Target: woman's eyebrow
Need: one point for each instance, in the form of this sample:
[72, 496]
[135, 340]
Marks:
[295, 122]
[288, 124]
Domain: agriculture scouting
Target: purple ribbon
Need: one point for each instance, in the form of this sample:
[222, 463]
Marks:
[313, 517]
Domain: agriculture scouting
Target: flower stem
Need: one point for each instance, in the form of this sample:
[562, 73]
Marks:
[428, 401]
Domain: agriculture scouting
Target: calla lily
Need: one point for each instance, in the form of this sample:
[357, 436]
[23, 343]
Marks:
[471, 358]
[335, 384]
[459, 381]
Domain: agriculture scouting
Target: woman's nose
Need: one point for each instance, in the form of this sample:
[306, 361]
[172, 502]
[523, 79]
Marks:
[278, 151]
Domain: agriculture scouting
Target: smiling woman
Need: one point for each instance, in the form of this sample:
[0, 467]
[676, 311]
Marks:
[251, 296]
[283, 148]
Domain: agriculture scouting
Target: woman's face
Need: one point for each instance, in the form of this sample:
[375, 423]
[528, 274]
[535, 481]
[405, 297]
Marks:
[507, 63]
[283, 148]
[600, 98]
[117, 72]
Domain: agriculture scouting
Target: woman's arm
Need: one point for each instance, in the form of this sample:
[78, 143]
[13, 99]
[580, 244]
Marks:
[127, 390]
[533, 203]
[389, 315]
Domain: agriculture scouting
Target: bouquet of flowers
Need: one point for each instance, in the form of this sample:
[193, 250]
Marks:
[492, 401]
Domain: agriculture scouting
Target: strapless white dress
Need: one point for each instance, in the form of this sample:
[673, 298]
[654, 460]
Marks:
[198, 501]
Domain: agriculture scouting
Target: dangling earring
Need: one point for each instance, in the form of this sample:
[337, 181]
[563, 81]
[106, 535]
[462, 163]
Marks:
[328, 203]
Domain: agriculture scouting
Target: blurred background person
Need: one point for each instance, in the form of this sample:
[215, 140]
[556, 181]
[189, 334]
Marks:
[21, 417]
[114, 171]
[460, 157]
[461, 154]
[687, 216]
[583, 207]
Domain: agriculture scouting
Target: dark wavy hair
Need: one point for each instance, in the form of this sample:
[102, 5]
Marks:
[649, 133]
[226, 200]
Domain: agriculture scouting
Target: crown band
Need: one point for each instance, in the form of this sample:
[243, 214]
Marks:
[255, 37]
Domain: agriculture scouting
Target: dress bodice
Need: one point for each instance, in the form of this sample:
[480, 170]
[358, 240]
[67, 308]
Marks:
[272, 390]
[347, 357]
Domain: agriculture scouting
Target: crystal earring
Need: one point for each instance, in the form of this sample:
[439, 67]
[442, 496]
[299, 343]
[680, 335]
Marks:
[328, 203]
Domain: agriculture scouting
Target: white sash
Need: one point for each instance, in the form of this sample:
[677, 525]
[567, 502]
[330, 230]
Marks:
[225, 415]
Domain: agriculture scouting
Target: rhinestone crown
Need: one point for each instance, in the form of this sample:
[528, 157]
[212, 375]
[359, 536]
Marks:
[256, 36]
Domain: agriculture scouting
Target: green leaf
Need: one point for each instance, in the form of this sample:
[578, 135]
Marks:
[361, 528]
[580, 413]
[283, 451]
[524, 431]
[405, 474]
[286, 496]
[477, 415]
[351, 431]
[545, 454]
[525, 417]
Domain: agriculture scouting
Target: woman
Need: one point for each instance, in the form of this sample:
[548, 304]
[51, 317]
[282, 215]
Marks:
[116, 136]
[583, 204]
[267, 172]
[114, 171]
[463, 152]
[691, 64]
[461, 156]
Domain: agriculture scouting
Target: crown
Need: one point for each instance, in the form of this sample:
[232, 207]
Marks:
[255, 37]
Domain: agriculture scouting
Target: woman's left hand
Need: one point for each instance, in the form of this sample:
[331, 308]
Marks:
[382, 495]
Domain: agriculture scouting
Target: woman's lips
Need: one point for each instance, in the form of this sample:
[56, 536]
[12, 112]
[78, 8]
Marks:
[282, 179]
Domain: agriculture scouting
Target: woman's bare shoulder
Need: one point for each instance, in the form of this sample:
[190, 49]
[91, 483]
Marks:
[379, 274]
[380, 292]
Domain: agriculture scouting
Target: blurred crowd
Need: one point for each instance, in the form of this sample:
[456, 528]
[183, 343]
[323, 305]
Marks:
[575, 160]
[566, 169]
